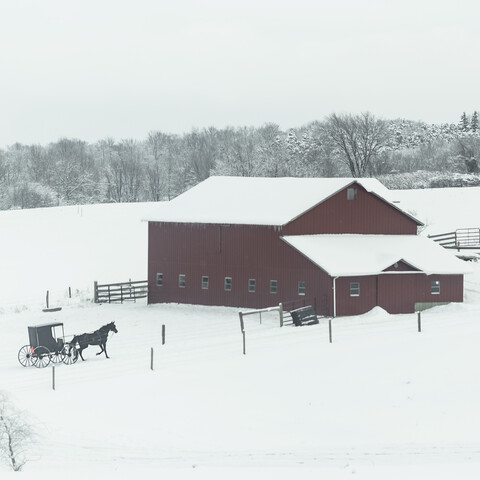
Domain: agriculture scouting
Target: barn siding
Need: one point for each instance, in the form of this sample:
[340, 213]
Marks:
[368, 214]
[239, 252]
[396, 293]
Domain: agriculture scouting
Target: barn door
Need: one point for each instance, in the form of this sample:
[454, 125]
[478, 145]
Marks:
[396, 293]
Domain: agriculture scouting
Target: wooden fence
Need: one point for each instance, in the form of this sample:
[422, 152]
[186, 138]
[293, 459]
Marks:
[467, 238]
[120, 292]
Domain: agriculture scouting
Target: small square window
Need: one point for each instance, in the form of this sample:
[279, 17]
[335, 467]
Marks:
[252, 283]
[228, 284]
[273, 286]
[354, 289]
[182, 280]
[159, 279]
[302, 288]
[204, 283]
[435, 287]
[351, 193]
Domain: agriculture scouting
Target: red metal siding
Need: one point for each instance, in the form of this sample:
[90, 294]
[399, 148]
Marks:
[396, 293]
[451, 288]
[368, 214]
[239, 252]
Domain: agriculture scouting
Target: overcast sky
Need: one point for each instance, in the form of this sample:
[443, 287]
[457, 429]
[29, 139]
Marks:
[90, 69]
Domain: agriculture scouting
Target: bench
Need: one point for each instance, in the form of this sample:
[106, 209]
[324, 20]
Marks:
[304, 316]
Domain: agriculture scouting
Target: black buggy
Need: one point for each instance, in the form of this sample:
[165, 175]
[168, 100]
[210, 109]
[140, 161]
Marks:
[47, 344]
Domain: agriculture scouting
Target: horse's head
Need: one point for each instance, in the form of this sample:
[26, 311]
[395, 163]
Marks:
[113, 328]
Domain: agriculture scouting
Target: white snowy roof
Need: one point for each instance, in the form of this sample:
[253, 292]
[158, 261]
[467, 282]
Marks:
[257, 201]
[360, 255]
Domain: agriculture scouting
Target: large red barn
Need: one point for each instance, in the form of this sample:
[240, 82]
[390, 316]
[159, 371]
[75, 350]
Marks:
[339, 244]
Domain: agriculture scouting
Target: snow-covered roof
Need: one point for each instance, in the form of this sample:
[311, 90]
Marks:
[360, 255]
[257, 201]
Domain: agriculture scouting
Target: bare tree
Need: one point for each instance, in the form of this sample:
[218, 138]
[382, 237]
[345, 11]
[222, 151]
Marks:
[16, 434]
[358, 139]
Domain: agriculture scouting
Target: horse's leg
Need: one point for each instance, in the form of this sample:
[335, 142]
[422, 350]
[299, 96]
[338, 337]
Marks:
[105, 349]
[102, 348]
[80, 350]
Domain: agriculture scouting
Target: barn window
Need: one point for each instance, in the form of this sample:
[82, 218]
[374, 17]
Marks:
[354, 289]
[159, 279]
[182, 280]
[435, 287]
[228, 284]
[204, 283]
[302, 288]
[273, 286]
[252, 283]
[351, 193]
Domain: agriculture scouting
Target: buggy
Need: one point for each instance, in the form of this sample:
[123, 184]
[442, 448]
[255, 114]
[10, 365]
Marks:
[47, 344]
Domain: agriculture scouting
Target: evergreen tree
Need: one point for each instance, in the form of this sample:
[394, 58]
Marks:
[464, 125]
[474, 122]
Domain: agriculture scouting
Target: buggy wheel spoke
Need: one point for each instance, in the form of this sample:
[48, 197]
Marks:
[70, 355]
[25, 356]
[42, 355]
[57, 357]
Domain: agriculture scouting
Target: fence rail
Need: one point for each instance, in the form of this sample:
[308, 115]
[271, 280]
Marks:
[462, 238]
[120, 292]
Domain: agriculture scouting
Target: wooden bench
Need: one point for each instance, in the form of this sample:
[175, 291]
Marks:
[304, 316]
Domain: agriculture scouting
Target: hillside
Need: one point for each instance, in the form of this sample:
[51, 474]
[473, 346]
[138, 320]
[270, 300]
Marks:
[381, 401]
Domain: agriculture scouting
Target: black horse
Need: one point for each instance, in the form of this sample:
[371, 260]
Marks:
[98, 337]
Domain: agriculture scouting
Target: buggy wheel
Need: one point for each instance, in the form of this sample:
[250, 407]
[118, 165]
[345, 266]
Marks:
[42, 355]
[25, 356]
[57, 357]
[70, 355]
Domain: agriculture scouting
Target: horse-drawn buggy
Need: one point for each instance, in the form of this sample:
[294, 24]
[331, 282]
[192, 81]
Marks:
[47, 344]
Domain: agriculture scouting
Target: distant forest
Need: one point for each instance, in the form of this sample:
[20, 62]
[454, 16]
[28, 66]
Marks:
[400, 153]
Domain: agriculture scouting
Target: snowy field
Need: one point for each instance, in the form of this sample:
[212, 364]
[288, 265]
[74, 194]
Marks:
[381, 401]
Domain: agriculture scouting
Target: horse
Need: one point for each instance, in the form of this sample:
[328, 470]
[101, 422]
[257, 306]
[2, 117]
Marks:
[98, 337]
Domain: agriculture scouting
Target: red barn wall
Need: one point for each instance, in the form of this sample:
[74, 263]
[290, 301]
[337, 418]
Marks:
[368, 214]
[239, 252]
[396, 293]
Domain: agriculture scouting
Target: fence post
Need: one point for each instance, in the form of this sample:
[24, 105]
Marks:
[419, 321]
[280, 311]
[151, 358]
[163, 334]
[95, 292]
[109, 294]
[242, 328]
[121, 293]
[69, 292]
[53, 377]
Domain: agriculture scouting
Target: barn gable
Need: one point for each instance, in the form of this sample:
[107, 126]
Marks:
[268, 201]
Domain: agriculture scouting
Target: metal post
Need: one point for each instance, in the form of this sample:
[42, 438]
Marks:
[46, 299]
[419, 316]
[163, 334]
[243, 334]
[53, 377]
[151, 358]
[330, 329]
[280, 311]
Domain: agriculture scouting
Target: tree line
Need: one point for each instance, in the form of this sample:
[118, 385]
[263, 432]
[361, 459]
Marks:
[160, 167]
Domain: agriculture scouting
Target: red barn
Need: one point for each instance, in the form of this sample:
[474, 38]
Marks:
[339, 244]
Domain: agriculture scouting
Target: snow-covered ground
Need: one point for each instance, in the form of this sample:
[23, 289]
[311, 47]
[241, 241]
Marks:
[381, 401]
